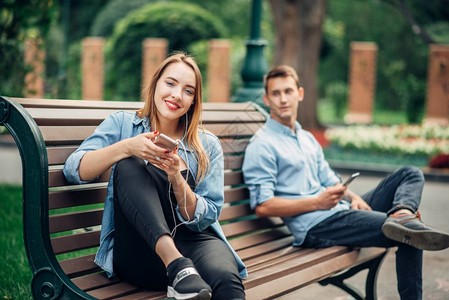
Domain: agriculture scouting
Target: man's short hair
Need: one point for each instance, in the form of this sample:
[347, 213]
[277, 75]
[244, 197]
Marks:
[280, 71]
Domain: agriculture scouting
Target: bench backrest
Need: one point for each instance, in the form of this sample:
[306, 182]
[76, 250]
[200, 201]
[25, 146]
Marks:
[66, 218]
[62, 221]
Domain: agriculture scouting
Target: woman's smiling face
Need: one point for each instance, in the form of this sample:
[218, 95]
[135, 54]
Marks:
[175, 91]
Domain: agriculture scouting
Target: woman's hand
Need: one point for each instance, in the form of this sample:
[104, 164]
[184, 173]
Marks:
[171, 164]
[142, 146]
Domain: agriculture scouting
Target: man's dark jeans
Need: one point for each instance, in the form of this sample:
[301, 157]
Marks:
[362, 228]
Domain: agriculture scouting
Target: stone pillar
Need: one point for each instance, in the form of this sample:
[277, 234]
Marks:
[154, 52]
[437, 109]
[34, 58]
[92, 68]
[219, 71]
[362, 81]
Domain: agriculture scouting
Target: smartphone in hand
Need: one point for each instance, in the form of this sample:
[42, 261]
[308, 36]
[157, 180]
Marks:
[351, 178]
[166, 142]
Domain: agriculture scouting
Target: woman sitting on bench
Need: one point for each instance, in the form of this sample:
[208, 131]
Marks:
[160, 223]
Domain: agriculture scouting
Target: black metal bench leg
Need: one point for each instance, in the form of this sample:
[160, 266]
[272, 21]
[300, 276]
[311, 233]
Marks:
[370, 283]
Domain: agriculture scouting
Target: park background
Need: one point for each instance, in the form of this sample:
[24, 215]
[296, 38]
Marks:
[403, 31]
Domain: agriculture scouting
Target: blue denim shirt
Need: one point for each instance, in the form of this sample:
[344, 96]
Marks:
[209, 192]
[280, 163]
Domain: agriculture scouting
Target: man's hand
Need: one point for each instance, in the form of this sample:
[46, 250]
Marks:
[358, 203]
[330, 197]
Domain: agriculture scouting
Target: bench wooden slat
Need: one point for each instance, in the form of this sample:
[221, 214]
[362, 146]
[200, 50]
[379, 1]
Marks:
[66, 135]
[236, 194]
[274, 257]
[92, 195]
[259, 238]
[59, 154]
[69, 198]
[79, 266]
[233, 178]
[234, 145]
[71, 104]
[244, 227]
[73, 242]
[234, 212]
[56, 177]
[233, 162]
[75, 220]
[236, 117]
[75, 117]
[71, 135]
[94, 281]
[262, 285]
[236, 130]
[119, 105]
[264, 248]
[69, 117]
[113, 291]
[145, 295]
[272, 272]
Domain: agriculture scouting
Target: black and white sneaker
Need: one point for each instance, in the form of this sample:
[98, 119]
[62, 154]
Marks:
[187, 283]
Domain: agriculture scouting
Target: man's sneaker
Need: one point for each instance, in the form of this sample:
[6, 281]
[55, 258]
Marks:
[188, 284]
[410, 230]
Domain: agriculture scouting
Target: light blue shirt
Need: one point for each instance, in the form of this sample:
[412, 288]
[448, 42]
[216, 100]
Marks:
[280, 163]
[209, 192]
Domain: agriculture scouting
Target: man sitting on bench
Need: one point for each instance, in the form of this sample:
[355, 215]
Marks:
[288, 177]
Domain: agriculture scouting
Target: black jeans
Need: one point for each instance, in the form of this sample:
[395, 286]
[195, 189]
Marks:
[362, 228]
[143, 213]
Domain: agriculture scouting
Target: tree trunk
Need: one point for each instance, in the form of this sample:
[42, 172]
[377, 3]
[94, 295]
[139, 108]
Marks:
[298, 40]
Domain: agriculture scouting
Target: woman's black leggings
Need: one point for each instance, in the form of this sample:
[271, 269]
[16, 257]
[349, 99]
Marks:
[142, 214]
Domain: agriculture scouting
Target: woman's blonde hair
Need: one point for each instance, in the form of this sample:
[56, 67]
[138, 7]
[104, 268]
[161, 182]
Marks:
[193, 115]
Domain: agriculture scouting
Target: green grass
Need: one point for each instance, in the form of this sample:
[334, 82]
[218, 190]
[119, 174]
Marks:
[326, 115]
[15, 273]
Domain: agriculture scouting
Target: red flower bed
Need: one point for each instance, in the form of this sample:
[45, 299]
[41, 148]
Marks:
[440, 161]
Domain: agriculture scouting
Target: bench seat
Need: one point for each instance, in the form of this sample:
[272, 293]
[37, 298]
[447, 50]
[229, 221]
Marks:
[62, 221]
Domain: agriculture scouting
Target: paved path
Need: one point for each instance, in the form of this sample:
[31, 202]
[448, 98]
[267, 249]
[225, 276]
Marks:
[10, 164]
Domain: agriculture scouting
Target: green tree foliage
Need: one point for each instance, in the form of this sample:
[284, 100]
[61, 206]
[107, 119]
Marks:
[234, 14]
[106, 19]
[180, 23]
[19, 19]
[82, 15]
[399, 28]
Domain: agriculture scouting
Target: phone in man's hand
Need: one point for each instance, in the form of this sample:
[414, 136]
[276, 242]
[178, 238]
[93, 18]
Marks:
[166, 142]
[351, 178]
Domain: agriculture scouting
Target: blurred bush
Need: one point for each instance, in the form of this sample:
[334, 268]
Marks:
[413, 92]
[337, 93]
[19, 20]
[401, 52]
[106, 19]
[180, 23]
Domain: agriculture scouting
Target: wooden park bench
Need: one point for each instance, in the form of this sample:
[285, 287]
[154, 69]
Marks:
[61, 221]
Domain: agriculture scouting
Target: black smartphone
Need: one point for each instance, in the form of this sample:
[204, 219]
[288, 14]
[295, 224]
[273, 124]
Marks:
[166, 142]
[351, 178]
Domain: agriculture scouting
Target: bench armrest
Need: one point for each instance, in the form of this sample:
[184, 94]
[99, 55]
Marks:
[49, 281]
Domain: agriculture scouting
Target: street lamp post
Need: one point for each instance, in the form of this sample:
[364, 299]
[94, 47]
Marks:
[254, 65]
